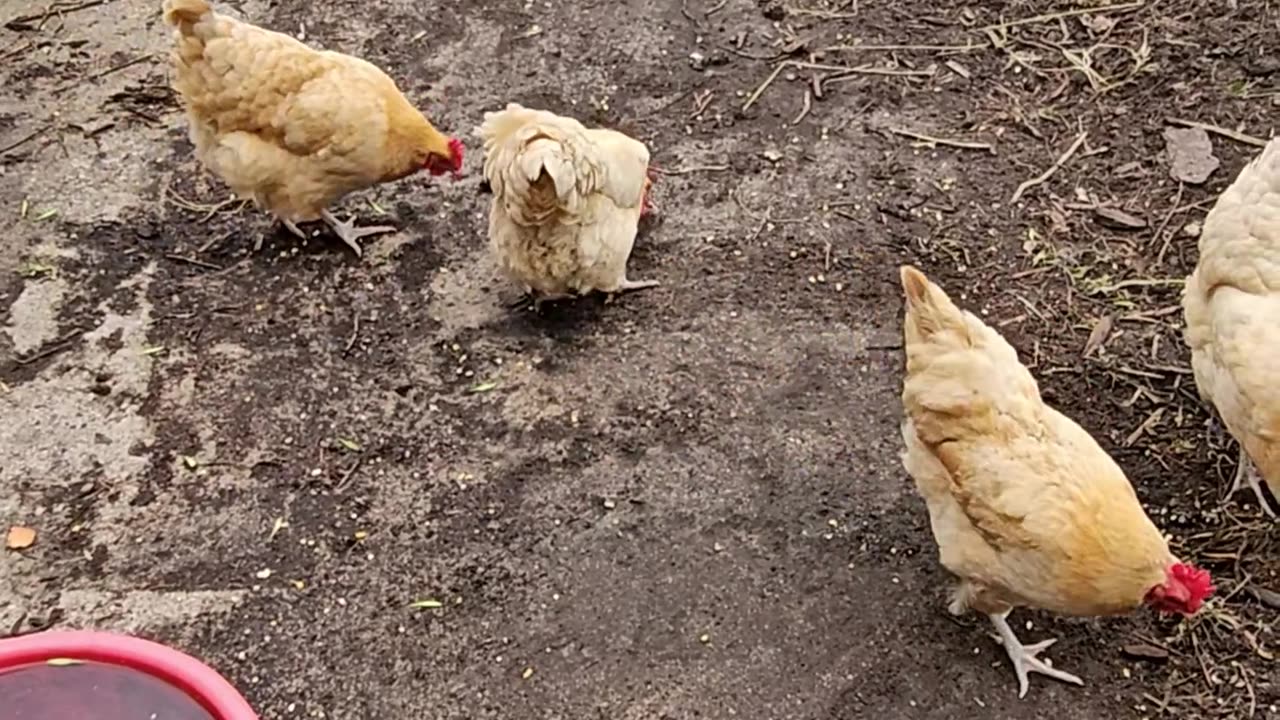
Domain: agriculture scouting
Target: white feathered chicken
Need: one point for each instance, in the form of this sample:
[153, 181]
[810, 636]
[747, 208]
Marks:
[1232, 305]
[567, 202]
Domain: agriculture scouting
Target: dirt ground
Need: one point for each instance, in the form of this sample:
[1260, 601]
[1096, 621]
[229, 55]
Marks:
[683, 504]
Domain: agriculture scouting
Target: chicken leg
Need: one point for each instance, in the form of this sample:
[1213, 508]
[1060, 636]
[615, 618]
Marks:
[350, 234]
[1247, 474]
[1024, 657]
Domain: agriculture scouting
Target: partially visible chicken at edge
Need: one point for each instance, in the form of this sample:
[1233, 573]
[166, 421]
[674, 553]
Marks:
[1232, 307]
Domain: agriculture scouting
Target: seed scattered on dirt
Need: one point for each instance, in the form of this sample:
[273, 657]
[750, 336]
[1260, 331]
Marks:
[704, 638]
[20, 538]
[609, 504]
[528, 673]
[426, 604]
[263, 574]
[276, 526]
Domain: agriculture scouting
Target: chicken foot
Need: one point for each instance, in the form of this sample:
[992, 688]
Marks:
[288, 224]
[533, 299]
[1024, 657]
[1247, 474]
[629, 286]
[350, 234]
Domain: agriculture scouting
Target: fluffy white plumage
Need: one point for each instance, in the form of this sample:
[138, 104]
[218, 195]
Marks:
[567, 201]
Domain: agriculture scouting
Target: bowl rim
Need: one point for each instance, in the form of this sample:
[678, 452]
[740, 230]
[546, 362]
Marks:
[201, 682]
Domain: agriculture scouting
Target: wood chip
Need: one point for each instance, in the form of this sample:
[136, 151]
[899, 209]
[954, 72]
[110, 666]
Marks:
[1190, 152]
[20, 538]
[1270, 598]
[1143, 651]
[958, 69]
[1119, 219]
[1098, 336]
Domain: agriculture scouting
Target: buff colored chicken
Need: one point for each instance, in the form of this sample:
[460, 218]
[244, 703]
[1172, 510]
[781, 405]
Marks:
[1232, 306]
[1026, 508]
[567, 202]
[293, 128]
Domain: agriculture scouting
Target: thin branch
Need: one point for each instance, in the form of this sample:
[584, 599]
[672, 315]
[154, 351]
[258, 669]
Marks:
[942, 141]
[1219, 130]
[1017, 194]
[1064, 14]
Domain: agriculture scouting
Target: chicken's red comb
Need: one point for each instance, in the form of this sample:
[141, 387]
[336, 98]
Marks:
[1197, 581]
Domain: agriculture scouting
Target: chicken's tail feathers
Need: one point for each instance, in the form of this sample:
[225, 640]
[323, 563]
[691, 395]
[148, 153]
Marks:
[544, 159]
[929, 311]
[182, 14]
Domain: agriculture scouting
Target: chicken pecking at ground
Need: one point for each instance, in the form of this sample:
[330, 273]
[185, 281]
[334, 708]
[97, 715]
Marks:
[293, 128]
[1232, 306]
[567, 202]
[1026, 508]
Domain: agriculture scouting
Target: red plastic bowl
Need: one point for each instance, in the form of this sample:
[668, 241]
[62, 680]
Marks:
[177, 670]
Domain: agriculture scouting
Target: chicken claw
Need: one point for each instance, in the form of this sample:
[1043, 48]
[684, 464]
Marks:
[350, 234]
[1024, 657]
[1247, 474]
[292, 227]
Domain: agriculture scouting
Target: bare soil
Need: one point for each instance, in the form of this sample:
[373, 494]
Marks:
[686, 503]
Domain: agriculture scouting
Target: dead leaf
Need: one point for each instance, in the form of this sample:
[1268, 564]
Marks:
[1119, 219]
[1190, 151]
[1099, 24]
[1098, 336]
[1143, 651]
[20, 538]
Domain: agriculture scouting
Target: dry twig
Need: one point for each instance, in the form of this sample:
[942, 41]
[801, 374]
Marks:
[1027, 185]
[1219, 130]
[943, 141]
[1049, 17]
